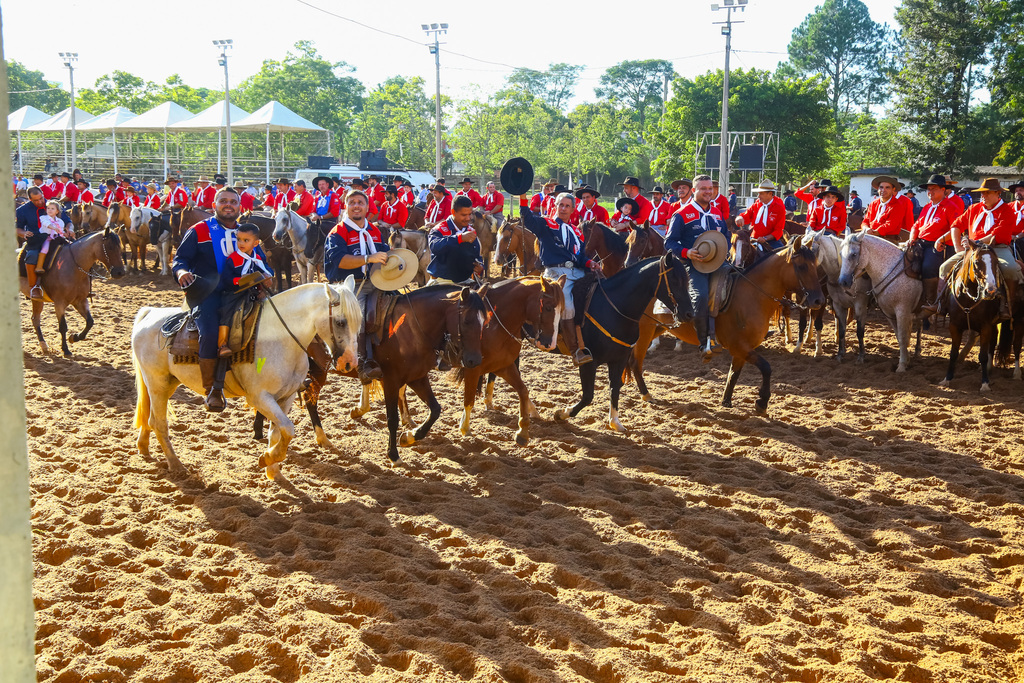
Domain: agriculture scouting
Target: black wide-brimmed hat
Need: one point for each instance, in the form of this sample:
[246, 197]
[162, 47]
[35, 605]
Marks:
[406, 183]
[516, 176]
[316, 181]
[587, 189]
[658, 189]
[634, 206]
[559, 189]
[833, 190]
[1019, 183]
[467, 180]
[935, 179]
[391, 189]
[283, 181]
[631, 180]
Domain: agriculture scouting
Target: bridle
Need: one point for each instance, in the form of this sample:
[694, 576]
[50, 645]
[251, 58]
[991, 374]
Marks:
[526, 339]
[105, 260]
[801, 290]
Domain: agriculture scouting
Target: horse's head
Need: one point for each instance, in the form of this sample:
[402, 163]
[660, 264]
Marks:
[805, 267]
[552, 303]
[282, 224]
[113, 212]
[470, 317]
[176, 221]
[508, 246]
[850, 255]
[981, 267]
[342, 323]
[109, 253]
[674, 287]
[397, 240]
[744, 253]
[136, 218]
[636, 242]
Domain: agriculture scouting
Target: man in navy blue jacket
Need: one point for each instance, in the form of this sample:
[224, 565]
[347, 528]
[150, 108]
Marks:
[454, 248]
[197, 266]
[26, 224]
[561, 253]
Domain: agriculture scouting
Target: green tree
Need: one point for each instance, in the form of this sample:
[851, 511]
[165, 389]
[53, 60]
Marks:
[840, 41]
[945, 45]
[27, 87]
[796, 108]
[636, 85]
[1007, 77]
[194, 99]
[555, 86]
[869, 143]
[590, 141]
[118, 89]
[398, 116]
[312, 87]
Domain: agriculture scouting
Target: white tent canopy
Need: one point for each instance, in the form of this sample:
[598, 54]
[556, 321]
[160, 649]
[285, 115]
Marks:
[274, 116]
[107, 121]
[24, 118]
[61, 121]
[210, 119]
[158, 119]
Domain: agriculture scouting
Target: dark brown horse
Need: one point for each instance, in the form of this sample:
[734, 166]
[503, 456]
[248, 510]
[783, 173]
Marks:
[743, 325]
[416, 219]
[184, 218]
[67, 282]
[643, 242]
[973, 304]
[484, 227]
[424, 322]
[603, 244]
[511, 304]
[517, 250]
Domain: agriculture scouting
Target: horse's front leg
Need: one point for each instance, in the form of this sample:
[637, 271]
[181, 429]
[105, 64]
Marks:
[588, 375]
[37, 313]
[281, 430]
[403, 409]
[735, 368]
[985, 355]
[955, 337]
[903, 325]
[426, 393]
[515, 379]
[469, 384]
[801, 328]
[819, 323]
[489, 390]
[840, 313]
[156, 422]
[615, 371]
[83, 310]
[391, 393]
[62, 325]
[761, 404]
[364, 403]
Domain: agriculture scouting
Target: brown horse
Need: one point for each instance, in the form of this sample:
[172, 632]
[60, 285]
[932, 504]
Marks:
[643, 242]
[743, 325]
[535, 301]
[88, 218]
[484, 227]
[67, 282]
[424, 322]
[603, 244]
[517, 246]
[416, 242]
[973, 304]
[133, 244]
[184, 218]
[417, 218]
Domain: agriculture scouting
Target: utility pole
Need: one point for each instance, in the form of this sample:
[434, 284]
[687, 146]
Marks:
[69, 61]
[435, 50]
[724, 147]
[224, 46]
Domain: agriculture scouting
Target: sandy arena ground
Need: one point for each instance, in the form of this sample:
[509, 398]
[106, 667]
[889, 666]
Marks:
[870, 527]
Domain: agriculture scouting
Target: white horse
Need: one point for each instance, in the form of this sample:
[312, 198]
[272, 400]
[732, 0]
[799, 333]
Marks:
[144, 214]
[269, 384]
[295, 226]
[896, 293]
[826, 249]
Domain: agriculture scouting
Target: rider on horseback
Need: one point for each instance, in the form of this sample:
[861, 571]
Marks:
[326, 209]
[28, 228]
[352, 247]
[932, 224]
[767, 217]
[454, 248]
[561, 253]
[197, 266]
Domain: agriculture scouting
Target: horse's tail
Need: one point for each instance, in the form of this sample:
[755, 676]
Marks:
[142, 402]
[1003, 351]
[457, 376]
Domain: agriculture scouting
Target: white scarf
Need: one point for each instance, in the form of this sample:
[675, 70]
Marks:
[574, 245]
[390, 209]
[1020, 213]
[704, 215]
[588, 216]
[882, 206]
[654, 210]
[251, 261]
[990, 219]
[762, 214]
[932, 208]
[826, 216]
[366, 245]
[435, 211]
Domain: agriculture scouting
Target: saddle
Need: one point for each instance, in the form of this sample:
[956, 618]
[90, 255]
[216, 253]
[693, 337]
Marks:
[378, 312]
[582, 293]
[183, 333]
[913, 260]
[720, 290]
[56, 246]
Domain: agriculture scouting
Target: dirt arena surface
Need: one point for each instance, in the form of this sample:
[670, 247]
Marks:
[871, 527]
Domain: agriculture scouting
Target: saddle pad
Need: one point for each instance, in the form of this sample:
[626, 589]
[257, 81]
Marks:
[720, 290]
[55, 248]
[185, 341]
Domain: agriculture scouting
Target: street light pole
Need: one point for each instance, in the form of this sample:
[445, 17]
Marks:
[224, 46]
[69, 61]
[724, 147]
[435, 50]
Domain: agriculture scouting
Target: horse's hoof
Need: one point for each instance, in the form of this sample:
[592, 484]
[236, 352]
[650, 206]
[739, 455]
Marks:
[1016, 374]
[944, 383]
[616, 426]
[901, 368]
[760, 408]
[322, 440]
[68, 354]
[522, 438]
[465, 431]
[273, 471]
[838, 357]
[489, 405]
[407, 439]
[985, 388]
[727, 404]
[647, 398]
[356, 413]
[860, 360]
[394, 458]
[562, 414]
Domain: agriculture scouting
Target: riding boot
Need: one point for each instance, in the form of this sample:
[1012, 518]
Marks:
[312, 239]
[573, 338]
[368, 369]
[700, 324]
[934, 288]
[208, 369]
[35, 292]
[1006, 299]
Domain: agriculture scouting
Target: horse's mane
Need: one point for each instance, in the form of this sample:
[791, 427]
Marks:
[612, 239]
[628, 274]
[423, 292]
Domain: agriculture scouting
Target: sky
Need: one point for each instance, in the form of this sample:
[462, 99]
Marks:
[178, 38]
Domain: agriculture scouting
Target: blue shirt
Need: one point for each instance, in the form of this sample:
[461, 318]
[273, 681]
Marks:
[344, 241]
[203, 249]
[451, 258]
[687, 223]
[553, 250]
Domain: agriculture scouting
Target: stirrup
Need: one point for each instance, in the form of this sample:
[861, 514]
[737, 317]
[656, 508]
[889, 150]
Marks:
[369, 370]
[214, 401]
[582, 357]
[36, 293]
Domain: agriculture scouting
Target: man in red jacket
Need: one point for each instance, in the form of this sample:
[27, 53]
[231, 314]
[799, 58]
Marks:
[890, 213]
[468, 191]
[684, 192]
[202, 196]
[934, 223]
[393, 213]
[631, 188]
[285, 195]
[304, 199]
[374, 190]
[541, 202]
[766, 217]
[494, 204]
[1018, 206]
[661, 211]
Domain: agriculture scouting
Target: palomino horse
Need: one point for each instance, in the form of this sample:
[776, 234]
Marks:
[826, 250]
[425, 321]
[896, 293]
[67, 282]
[973, 304]
[269, 384]
[485, 228]
[279, 255]
[416, 242]
[611, 325]
[292, 225]
[88, 218]
[743, 325]
[603, 244]
[533, 301]
[417, 218]
[517, 246]
[142, 222]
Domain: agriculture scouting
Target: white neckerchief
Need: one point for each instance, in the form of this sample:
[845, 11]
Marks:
[391, 207]
[251, 261]
[932, 208]
[435, 211]
[762, 214]
[704, 215]
[1020, 212]
[654, 209]
[454, 229]
[366, 245]
[882, 206]
[990, 219]
[826, 215]
[567, 230]
[589, 215]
